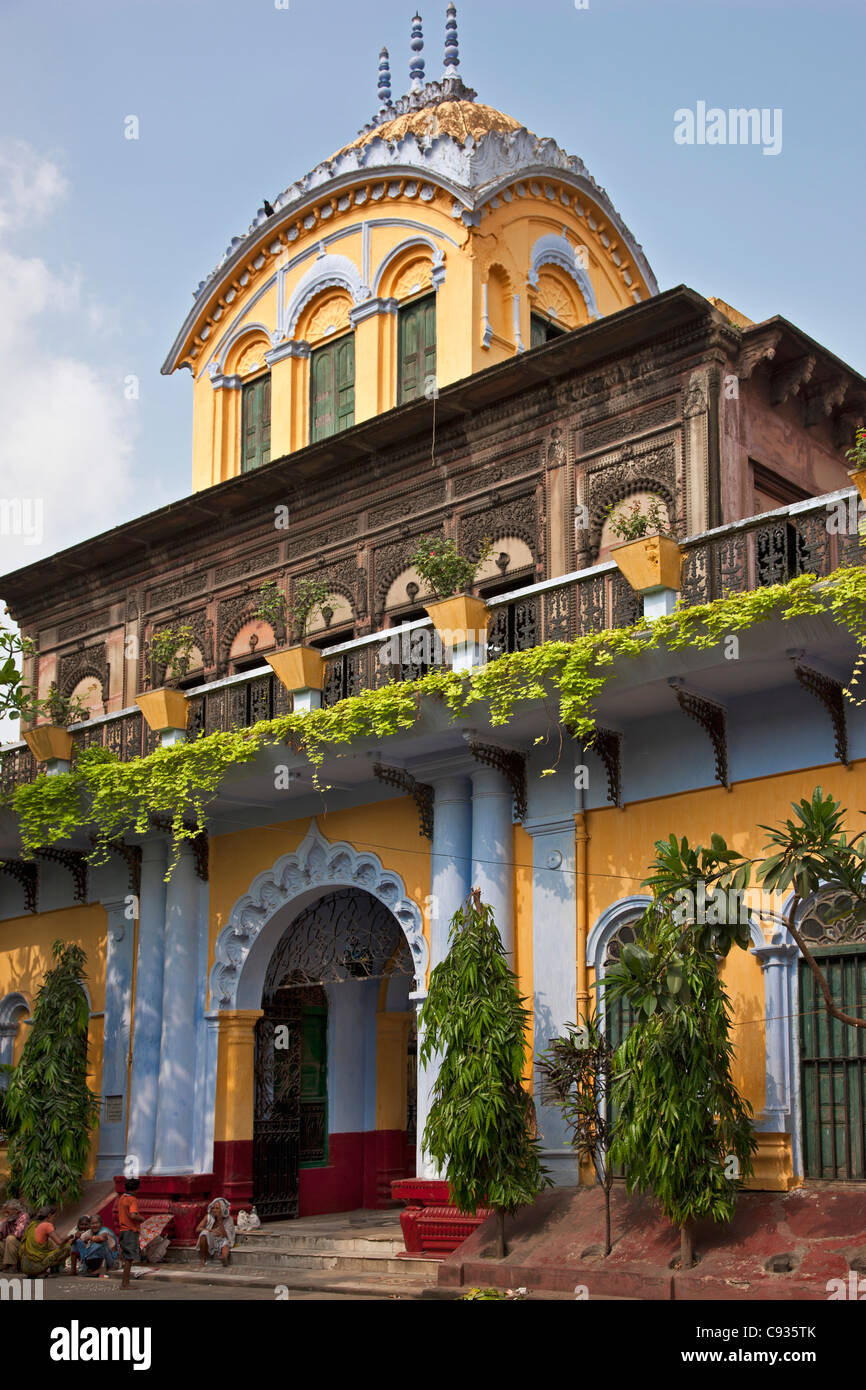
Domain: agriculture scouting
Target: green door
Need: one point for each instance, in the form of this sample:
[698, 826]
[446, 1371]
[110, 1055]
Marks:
[256, 424]
[314, 1086]
[833, 1067]
[416, 348]
[332, 388]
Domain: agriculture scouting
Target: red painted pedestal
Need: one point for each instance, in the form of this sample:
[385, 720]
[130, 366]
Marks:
[185, 1197]
[431, 1224]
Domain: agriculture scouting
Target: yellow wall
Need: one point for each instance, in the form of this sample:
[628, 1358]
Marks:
[621, 847]
[25, 955]
[496, 253]
[522, 855]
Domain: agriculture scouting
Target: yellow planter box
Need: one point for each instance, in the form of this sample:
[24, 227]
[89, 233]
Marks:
[49, 741]
[460, 619]
[299, 668]
[650, 562]
[858, 478]
[163, 709]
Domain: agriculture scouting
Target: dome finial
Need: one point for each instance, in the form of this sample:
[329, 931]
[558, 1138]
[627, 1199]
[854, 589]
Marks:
[384, 91]
[416, 66]
[452, 51]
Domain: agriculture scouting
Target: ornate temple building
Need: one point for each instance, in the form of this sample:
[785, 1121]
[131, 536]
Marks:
[444, 328]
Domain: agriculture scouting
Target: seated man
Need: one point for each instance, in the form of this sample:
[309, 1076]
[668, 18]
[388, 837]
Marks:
[95, 1247]
[16, 1219]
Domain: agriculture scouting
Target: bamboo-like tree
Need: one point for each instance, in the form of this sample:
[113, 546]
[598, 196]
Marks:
[52, 1108]
[576, 1073]
[481, 1126]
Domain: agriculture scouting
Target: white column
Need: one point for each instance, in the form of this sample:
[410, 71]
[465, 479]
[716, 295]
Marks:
[147, 1031]
[492, 849]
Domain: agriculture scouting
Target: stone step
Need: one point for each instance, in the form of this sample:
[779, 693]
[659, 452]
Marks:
[307, 1283]
[387, 1243]
[347, 1261]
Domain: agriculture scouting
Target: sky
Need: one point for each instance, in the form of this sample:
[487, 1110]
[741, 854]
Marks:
[103, 238]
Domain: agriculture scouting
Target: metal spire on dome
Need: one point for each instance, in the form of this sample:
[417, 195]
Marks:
[452, 49]
[384, 91]
[416, 66]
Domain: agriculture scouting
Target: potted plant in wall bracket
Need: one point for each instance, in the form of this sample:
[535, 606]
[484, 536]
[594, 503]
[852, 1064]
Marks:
[299, 667]
[165, 709]
[646, 553]
[458, 616]
[857, 458]
[52, 742]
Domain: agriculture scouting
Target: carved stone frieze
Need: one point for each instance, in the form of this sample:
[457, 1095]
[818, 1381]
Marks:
[611, 479]
[90, 661]
[516, 517]
[248, 564]
[626, 427]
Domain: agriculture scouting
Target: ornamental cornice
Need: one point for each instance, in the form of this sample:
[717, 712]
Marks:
[469, 175]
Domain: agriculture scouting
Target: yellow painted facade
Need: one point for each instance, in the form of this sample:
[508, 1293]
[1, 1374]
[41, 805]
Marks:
[394, 237]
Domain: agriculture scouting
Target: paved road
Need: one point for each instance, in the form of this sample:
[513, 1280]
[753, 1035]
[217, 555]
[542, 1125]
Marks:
[142, 1291]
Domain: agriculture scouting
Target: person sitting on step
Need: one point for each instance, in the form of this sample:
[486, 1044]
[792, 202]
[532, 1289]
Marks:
[216, 1232]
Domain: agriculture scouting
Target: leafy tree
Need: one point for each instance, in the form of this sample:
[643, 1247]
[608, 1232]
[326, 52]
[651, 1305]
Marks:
[16, 700]
[683, 1132]
[481, 1126]
[576, 1072]
[50, 1104]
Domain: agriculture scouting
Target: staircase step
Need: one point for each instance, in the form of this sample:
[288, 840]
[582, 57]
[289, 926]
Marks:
[387, 1243]
[346, 1284]
[275, 1258]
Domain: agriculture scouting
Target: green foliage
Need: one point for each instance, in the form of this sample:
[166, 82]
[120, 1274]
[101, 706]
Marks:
[171, 649]
[812, 849]
[494, 1296]
[307, 595]
[273, 609]
[481, 1126]
[63, 709]
[6, 1121]
[52, 1108]
[112, 797]
[443, 568]
[16, 699]
[629, 521]
[683, 1130]
[857, 456]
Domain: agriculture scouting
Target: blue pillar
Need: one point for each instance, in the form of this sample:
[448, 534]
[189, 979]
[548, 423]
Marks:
[115, 1046]
[554, 966]
[147, 1029]
[492, 848]
[175, 1115]
[778, 961]
[450, 863]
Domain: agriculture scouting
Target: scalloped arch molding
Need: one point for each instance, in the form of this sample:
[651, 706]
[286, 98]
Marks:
[257, 921]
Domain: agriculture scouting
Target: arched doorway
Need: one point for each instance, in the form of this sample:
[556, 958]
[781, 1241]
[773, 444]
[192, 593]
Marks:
[833, 1054]
[321, 993]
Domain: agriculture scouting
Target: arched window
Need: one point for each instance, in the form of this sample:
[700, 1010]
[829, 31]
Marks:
[416, 349]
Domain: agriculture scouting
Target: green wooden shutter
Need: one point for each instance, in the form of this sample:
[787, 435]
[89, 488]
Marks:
[314, 1086]
[833, 1068]
[417, 348]
[332, 388]
[256, 424]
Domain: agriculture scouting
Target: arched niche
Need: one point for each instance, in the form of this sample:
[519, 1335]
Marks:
[566, 270]
[326, 315]
[510, 555]
[14, 1011]
[500, 303]
[335, 611]
[89, 693]
[414, 266]
[246, 356]
[254, 636]
[408, 590]
[644, 498]
[557, 298]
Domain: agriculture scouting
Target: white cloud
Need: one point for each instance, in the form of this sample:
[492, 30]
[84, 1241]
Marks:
[67, 435]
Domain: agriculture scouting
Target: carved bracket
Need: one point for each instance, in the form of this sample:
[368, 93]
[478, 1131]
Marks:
[713, 719]
[511, 764]
[27, 875]
[607, 743]
[75, 862]
[131, 854]
[421, 793]
[832, 697]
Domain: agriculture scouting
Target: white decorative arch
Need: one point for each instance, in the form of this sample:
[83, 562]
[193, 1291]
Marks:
[326, 272]
[438, 274]
[242, 330]
[257, 921]
[12, 1006]
[558, 250]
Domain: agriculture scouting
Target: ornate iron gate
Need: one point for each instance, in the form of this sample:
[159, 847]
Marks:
[347, 935]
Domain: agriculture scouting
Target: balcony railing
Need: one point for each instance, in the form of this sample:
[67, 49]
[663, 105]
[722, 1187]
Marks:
[763, 550]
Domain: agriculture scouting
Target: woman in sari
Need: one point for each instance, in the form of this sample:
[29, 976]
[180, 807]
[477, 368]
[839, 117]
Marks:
[42, 1249]
[217, 1232]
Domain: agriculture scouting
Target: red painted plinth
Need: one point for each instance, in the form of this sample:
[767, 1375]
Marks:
[185, 1196]
[432, 1226]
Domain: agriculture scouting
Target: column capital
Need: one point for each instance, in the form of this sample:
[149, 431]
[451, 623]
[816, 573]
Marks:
[238, 1020]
